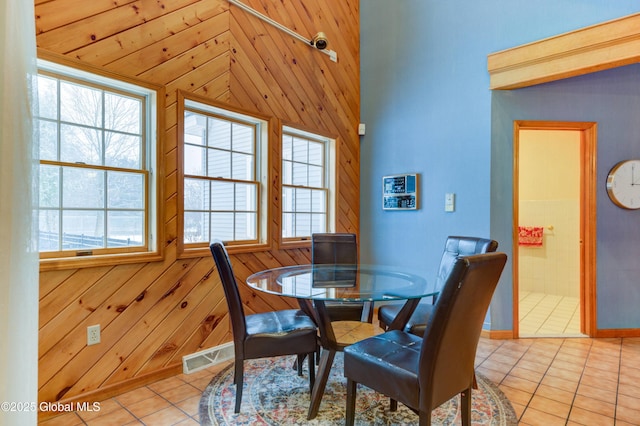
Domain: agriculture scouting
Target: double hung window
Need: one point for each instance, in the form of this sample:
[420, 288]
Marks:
[222, 176]
[307, 184]
[96, 186]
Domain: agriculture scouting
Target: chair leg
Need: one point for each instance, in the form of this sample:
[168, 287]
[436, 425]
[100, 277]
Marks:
[298, 363]
[465, 407]
[312, 371]
[314, 355]
[350, 415]
[393, 404]
[295, 364]
[238, 380]
[424, 418]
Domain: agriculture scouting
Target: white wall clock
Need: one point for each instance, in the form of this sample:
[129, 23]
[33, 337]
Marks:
[623, 184]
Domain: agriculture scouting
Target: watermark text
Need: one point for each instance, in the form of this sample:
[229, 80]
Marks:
[8, 406]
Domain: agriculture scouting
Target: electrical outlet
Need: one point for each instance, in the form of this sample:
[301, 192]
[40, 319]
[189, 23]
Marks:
[93, 334]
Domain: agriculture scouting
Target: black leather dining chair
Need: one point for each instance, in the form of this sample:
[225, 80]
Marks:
[263, 335]
[424, 373]
[340, 248]
[454, 246]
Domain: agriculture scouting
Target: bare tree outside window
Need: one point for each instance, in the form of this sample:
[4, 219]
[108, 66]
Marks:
[93, 174]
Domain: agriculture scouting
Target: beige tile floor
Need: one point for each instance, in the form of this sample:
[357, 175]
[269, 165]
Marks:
[549, 381]
[544, 315]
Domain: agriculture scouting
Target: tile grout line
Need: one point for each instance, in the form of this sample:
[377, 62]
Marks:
[540, 381]
[575, 394]
[615, 407]
[171, 403]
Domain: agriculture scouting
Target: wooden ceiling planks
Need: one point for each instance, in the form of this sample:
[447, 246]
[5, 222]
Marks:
[192, 81]
[154, 313]
[346, 72]
[312, 70]
[216, 89]
[188, 61]
[254, 71]
[160, 51]
[60, 13]
[106, 50]
[73, 36]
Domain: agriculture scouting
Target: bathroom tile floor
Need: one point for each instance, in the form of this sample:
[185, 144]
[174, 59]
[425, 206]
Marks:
[543, 315]
[549, 381]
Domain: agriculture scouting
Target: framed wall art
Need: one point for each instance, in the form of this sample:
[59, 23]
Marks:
[400, 192]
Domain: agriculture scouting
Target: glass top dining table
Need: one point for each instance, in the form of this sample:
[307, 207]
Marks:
[354, 283]
[313, 285]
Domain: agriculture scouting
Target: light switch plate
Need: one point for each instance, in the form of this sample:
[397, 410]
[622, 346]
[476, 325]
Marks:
[449, 202]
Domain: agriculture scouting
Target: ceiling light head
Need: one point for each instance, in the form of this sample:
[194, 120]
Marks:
[320, 41]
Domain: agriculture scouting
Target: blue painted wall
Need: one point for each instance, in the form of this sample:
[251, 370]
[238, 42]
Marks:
[427, 107]
[612, 99]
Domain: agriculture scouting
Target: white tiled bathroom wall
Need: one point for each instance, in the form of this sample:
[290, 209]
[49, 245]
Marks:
[549, 275]
[554, 267]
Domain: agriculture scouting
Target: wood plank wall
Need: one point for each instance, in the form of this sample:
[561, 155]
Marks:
[153, 313]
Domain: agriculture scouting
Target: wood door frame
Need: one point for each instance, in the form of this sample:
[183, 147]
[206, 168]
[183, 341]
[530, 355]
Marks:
[588, 181]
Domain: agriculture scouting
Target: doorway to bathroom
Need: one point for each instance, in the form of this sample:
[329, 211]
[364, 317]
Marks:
[553, 221]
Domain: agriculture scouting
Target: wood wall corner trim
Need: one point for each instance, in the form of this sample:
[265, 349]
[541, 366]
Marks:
[602, 46]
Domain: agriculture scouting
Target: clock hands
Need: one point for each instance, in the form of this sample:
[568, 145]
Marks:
[633, 175]
[623, 184]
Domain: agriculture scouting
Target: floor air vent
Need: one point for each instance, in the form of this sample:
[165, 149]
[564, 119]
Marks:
[203, 359]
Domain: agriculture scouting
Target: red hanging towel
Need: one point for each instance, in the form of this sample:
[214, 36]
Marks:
[530, 236]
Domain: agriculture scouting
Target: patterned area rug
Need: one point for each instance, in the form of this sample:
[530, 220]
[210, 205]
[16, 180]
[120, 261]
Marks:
[275, 395]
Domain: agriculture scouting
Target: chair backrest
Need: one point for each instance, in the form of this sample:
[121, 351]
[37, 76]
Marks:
[340, 248]
[231, 292]
[450, 341]
[461, 246]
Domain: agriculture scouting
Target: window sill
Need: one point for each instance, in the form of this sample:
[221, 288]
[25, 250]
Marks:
[58, 264]
[204, 251]
[295, 243]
